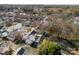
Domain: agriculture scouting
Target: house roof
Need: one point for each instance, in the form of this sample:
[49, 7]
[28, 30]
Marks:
[14, 27]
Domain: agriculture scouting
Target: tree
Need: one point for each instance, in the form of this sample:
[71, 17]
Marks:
[18, 37]
[48, 47]
[9, 52]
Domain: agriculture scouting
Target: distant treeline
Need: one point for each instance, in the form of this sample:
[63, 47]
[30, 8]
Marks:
[10, 7]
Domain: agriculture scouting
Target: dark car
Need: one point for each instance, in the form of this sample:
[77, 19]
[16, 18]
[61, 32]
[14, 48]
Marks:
[19, 51]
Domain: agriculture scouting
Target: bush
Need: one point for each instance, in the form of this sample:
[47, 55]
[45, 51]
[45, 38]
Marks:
[48, 48]
[20, 41]
[26, 10]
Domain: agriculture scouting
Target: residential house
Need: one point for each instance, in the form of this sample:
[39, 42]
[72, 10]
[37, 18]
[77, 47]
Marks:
[11, 36]
[16, 27]
[4, 47]
[29, 39]
[3, 33]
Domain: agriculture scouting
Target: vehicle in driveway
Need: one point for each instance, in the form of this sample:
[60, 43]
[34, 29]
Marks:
[19, 51]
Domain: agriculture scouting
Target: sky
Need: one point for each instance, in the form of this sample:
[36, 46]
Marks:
[65, 2]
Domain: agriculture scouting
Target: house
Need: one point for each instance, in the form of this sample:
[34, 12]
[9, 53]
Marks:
[3, 33]
[8, 18]
[11, 36]
[38, 37]
[37, 40]
[32, 37]
[29, 39]
[16, 27]
[4, 47]
[27, 23]
[23, 14]
[1, 24]
[76, 20]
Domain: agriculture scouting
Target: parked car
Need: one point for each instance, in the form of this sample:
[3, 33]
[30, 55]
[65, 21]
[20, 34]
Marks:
[19, 51]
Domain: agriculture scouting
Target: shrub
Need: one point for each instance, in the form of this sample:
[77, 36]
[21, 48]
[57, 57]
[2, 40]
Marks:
[48, 48]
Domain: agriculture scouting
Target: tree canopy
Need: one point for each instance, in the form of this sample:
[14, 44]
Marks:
[48, 47]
